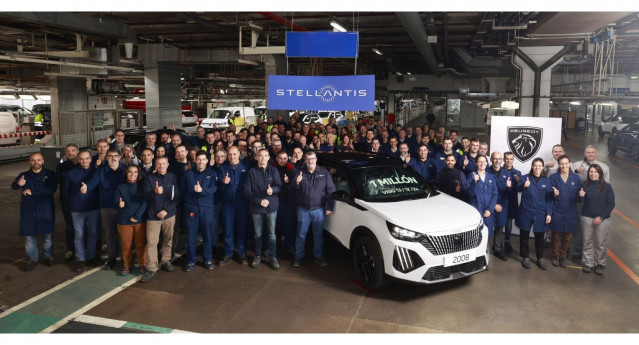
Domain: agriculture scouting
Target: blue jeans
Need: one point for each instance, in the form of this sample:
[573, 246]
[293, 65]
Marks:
[202, 222]
[235, 219]
[86, 225]
[31, 246]
[258, 221]
[287, 225]
[314, 219]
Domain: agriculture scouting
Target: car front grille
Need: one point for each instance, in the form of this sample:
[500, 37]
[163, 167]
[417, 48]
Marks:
[446, 273]
[446, 244]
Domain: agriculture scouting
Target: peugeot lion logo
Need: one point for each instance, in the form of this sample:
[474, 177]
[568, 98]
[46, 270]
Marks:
[524, 142]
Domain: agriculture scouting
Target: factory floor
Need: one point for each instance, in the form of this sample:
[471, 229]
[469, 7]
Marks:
[312, 299]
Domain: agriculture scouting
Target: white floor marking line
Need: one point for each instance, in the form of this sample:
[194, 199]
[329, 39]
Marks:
[100, 321]
[48, 292]
[90, 305]
[177, 331]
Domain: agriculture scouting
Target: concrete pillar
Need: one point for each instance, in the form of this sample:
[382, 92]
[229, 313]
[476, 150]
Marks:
[274, 65]
[536, 65]
[69, 95]
[162, 87]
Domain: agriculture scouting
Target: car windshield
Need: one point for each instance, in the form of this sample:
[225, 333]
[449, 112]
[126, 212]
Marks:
[390, 183]
[219, 114]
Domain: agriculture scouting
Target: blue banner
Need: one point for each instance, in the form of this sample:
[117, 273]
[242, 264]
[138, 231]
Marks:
[322, 44]
[321, 93]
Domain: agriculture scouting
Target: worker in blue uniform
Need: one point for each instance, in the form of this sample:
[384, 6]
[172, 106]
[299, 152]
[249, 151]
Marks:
[466, 162]
[504, 185]
[565, 218]
[427, 167]
[513, 200]
[69, 162]
[107, 178]
[535, 211]
[85, 210]
[262, 188]
[440, 156]
[37, 210]
[198, 187]
[482, 193]
[234, 206]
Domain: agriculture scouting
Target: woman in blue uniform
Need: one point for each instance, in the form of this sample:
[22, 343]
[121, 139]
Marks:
[482, 190]
[535, 210]
[565, 186]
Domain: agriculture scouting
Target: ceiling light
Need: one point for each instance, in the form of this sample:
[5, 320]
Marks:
[377, 51]
[408, 73]
[398, 73]
[14, 96]
[45, 97]
[532, 22]
[336, 25]
[575, 103]
[29, 97]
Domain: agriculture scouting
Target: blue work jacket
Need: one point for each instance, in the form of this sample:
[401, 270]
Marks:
[483, 196]
[233, 191]
[134, 203]
[428, 168]
[513, 200]
[470, 167]
[503, 193]
[79, 202]
[564, 215]
[440, 159]
[203, 201]
[257, 182]
[169, 198]
[107, 180]
[37, 211]
[315, 190]
[536, 203]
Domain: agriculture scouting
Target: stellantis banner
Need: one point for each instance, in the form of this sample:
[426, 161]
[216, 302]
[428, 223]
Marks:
[322, 44]
[321, 93]
[526, 137]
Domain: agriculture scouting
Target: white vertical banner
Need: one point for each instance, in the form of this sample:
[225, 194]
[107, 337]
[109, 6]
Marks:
[526, 137]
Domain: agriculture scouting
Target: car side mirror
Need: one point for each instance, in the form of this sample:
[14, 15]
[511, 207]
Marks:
[341, 195]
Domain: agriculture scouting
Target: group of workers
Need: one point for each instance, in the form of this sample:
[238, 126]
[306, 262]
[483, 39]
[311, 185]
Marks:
[263, 183]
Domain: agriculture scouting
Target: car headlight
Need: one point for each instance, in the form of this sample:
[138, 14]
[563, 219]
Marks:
[481, 224]
[403, 234]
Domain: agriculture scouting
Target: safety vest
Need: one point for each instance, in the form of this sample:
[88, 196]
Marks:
[38, 120]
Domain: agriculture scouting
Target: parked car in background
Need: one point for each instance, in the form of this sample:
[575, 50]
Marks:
[336, 115]
[396, 225]
[19, 113]
[8, 125]
[626, 140]
[310, 118]
[221, 117]
[189, 118]
[614, 123]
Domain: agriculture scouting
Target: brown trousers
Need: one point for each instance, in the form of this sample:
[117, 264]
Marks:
[130, 234]
[153, 230]
[560, 243]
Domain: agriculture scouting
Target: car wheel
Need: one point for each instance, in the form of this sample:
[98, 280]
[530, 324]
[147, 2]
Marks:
[368, 263]
[612, 149]
[634, 153]
[601, 132]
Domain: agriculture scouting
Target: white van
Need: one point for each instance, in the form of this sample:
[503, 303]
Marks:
[8, 125]
[241, 116]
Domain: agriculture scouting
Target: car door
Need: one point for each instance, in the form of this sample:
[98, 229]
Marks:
[340, 223]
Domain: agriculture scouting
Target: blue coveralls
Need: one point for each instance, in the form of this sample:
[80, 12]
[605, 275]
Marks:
[234, 207]
[198, 210]
[483, 196]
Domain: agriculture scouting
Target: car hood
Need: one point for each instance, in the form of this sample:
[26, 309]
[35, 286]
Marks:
[441, 213]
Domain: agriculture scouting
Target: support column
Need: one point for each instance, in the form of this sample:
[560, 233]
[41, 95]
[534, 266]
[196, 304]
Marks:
[536, 65]
[69, 95]
[162, 93]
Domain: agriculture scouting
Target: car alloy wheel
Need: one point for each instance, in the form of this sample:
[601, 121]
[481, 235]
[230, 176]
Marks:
[368, 263]
[634, 153]
[611, 147]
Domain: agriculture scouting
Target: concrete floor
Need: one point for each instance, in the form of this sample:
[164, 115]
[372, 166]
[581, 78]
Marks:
[309, 299]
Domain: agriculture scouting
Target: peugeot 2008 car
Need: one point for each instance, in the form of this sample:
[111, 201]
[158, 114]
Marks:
[396, 225]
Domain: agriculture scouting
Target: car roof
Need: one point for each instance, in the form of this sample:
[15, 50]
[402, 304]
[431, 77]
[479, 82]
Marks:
[357, 159]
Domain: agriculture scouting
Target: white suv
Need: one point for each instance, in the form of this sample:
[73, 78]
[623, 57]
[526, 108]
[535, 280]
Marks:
[396, 225]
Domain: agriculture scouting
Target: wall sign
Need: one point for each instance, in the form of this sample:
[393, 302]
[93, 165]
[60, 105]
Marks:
[320, 93]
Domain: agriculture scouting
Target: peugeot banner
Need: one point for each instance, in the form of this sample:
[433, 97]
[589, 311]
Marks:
[321, 93]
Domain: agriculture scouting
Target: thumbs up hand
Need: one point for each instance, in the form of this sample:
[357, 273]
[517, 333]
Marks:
[556, 191]
[121, 203]
[581, 169]
[550, 164]
[475, 177]
[509, 183]
[458, 188]
[197, 188]
[158, 189]
[527, 183]
[286, 179]
[269, 190]
[582, 193]
[22, 181]
[466, 161]
[226, 179]
[299, 178]
[84, 188]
